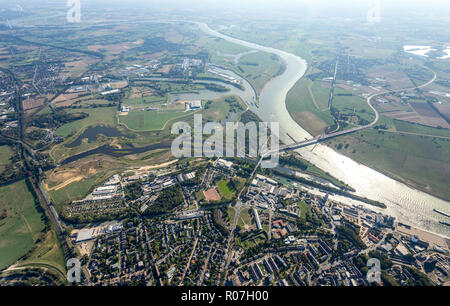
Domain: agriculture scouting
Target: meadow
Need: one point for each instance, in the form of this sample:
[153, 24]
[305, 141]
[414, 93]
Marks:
[103, 115]
[305, 209]
[302, 108]
[22, 225]
[225, 190]
[139, 120]
[5, 154]
[46, 254]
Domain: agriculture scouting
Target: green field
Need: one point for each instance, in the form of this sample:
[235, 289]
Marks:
[320, 95]
[251, 240]
[403, 126]
[303, 110]
[5, 154]
[76, 190]
[225, 190]
[259, 68]
[47, 254]
[103, 115]
[305, 209]
[245, 218]
[22, 225]
[352, 105]
[139, 120]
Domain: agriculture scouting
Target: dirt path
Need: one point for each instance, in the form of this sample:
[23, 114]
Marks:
[416, 134]
[314, 99]
[157, 166]
[27, 225]
[68, 182]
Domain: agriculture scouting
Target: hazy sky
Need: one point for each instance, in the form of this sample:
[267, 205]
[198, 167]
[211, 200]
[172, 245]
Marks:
[313, 8]
[318, 6]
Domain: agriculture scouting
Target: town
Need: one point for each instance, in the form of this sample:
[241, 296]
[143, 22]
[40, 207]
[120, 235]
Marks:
[100, 184]
[282, 235]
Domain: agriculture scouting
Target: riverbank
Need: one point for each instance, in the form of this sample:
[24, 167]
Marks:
[404, 203]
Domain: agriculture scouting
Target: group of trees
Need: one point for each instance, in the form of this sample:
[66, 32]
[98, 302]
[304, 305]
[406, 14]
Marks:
[291, 160]
[168, 199]
[348, 233]
[12, 172]
[133, 191]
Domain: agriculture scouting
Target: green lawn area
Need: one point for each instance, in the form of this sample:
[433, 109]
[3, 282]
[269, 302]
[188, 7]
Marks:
[217, 109]
[320, 95]
[76, 190]
[304, 209]
[22, 225]
[5, 154]
[259, 68]
[251, 240]
[48, 252]
[225, 190]
[245, 218]
[303, 110]
[139, 120]
[103, 115]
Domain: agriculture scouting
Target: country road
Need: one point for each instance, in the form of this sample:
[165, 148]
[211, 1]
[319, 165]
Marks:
[323, 137]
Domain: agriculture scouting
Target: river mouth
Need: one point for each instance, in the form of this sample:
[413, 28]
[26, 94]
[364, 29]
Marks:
[406, 204]
[92, 132]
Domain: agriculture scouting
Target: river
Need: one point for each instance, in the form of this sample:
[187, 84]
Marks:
[408, 205]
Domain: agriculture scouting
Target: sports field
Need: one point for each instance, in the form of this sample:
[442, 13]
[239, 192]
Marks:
[211, 195]
[225, 190]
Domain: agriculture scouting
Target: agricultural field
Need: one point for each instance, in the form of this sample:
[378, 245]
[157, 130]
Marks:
[21, 224]
[304, 111]
[103, 115]
[259, 68]
[413, 128]
[139, 120]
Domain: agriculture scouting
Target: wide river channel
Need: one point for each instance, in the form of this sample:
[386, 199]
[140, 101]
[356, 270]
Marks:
[407, 204]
